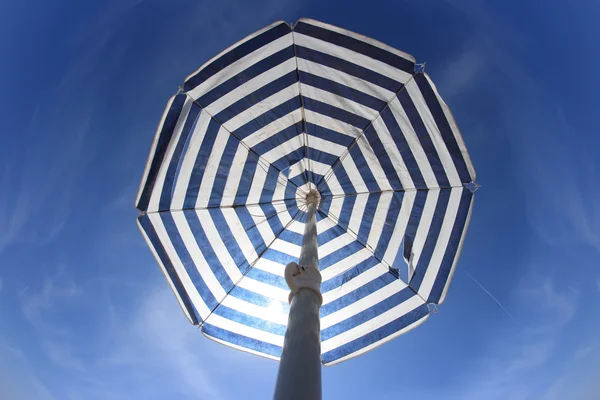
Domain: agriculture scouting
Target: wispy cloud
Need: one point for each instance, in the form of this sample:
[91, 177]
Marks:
[528, 350]
[38, 303]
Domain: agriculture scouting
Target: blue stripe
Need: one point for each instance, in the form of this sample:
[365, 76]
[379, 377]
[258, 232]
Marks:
[349, 68]
[366, 222]
[376, 335]
[413, 222]
[424, 138]
[256, 97]
[268, 278]
[442, 123]
[148, 228]
[241, 341]
[329, 135]
[164, 138]
[432, 238]
[365, 170]
[334, 112]
[250, 321]
[384, 159]
[356, 45]
[245, 217]
[291, 237]
[258, 299]
[201, 164]
[229, 240]
[246, 178]
[368, 314]
[225, 163]
[187, 261]
[390, 223]
[458, 230]
[342, 90]
[343, 180]
[403, 147]
[266, 118]
[280, 137]
[236, 54]
[330, 234]
[340, 254]
[249, 73]
[177, 158]
[212, 260]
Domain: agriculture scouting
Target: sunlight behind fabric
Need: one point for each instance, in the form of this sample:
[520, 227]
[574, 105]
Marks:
[285, 111]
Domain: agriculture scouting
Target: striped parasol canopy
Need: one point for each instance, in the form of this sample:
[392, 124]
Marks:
[284, 112]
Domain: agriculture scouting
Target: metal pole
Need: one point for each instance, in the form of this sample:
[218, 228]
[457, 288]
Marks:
[299, 376]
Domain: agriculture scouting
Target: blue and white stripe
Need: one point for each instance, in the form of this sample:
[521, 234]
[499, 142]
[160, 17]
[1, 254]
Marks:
[284, 110]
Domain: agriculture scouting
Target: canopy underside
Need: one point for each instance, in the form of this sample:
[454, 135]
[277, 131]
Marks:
[283, 111]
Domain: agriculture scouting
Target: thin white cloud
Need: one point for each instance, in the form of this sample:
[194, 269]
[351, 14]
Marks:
[529, 348]
[38, 302]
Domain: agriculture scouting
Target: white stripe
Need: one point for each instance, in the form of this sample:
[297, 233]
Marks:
[252, 85]
[393, 152]
[264, 289]
[199, 262]
[330, 123]
[162, 172]
[458, 251]
[335, 244]
[240, 65]
[262, 224]
[283, 149]
[355, 283]
[212, 234]
[345, 264]
[241, 348]
[258, 183]
[153, 149]
[379, 219]
[244, 330]
[239, 233]
[360, 37]
[362, 304]
[379, 342]
[399, 227]
[165, 273]
[263, 106]
[354, 175]
[414, 143]
[273, 128]
[271, 314]
[212, 166]
[345, 79]
[325, 145]
[286, 248]
[189, 160]
[234, 176]
[371, 325]
[455, 130]
[434, 133]
[354, 57]
[424, 224]
[373, 164]
[187, 283]
[357, 213]
[338, 101]
[270, 266]
[441, 244]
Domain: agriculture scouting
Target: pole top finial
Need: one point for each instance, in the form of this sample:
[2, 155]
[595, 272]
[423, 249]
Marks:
[313, 197]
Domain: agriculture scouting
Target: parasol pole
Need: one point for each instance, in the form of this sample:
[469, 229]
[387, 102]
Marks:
[299, 375]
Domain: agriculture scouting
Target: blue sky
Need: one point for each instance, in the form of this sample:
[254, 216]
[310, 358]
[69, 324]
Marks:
[84, 309]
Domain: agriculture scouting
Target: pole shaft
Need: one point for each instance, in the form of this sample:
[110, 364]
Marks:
[299, 376]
